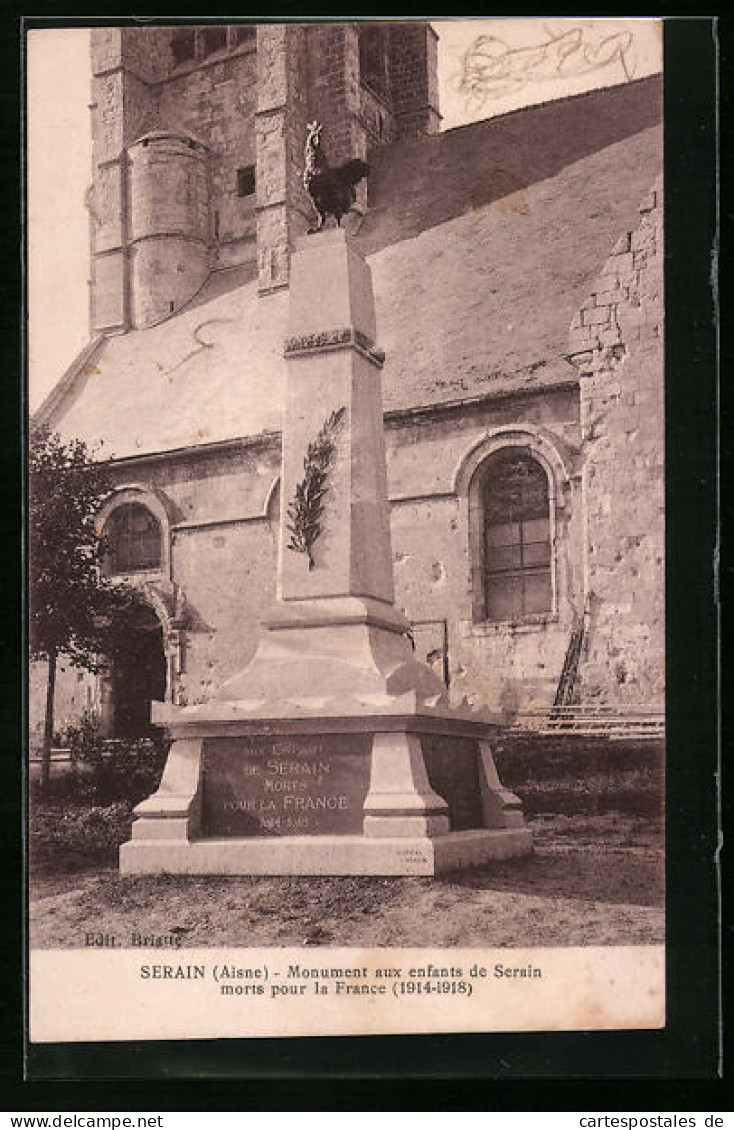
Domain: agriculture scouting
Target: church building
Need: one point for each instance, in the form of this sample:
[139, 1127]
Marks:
[517, 265]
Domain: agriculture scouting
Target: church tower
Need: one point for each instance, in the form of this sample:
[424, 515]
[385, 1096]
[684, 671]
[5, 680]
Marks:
[198, 134]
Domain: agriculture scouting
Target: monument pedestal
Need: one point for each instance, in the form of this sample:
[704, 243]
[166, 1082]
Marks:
[410, 793]
[334, 752]
[327, 855]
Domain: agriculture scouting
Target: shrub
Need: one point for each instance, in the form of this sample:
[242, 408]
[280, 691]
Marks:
[577, 774]
[131, 771]
[106, 772]
[63, 835]
[628, 792]
[84, 742]
[528, 756]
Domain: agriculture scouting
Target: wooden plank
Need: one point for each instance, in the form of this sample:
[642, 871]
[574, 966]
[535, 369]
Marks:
[593, 720]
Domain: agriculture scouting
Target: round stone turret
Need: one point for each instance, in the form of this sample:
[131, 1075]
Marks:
[170, 226]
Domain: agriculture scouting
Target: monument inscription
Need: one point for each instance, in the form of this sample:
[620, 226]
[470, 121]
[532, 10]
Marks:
[281, 786]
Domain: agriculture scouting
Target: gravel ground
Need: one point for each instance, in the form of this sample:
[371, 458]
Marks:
[590, 881]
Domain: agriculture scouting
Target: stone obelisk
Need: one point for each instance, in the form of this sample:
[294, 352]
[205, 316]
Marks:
[334, 751]
[334, 635]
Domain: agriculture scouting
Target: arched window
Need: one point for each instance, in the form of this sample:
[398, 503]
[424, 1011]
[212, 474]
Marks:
[134, 539]
[517, 537]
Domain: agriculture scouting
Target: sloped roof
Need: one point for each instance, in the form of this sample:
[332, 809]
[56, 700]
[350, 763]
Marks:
[210, 373]
[483, 243]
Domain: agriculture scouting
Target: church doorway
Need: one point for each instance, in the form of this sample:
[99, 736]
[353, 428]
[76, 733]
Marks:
[138, 677]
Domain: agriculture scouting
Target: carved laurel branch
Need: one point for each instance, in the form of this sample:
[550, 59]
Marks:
[307, 506]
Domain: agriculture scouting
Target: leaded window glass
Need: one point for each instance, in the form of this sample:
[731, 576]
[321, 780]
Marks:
[517, 538]
[134, 539]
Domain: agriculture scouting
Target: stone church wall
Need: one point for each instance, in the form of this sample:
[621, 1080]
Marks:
[228, 576]
[247, 98]
[224, 552]
[224, 513]
[599, 434]
[225, 507]
[77, 692]
[283, 209]
[617, 345]
[223, 536]
[216, 103]
[137, 87]
[436, 553]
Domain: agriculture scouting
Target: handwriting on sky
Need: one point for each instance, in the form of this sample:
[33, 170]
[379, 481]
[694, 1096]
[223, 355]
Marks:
[492, 68]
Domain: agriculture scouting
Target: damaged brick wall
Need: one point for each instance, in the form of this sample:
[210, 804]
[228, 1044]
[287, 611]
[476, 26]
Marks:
[617, 346]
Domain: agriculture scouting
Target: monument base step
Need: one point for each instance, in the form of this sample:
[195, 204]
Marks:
[323, 855]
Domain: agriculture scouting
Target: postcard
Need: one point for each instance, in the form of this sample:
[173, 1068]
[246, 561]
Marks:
[347, 528]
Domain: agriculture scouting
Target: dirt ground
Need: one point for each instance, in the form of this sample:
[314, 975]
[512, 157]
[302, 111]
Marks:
[590, 881]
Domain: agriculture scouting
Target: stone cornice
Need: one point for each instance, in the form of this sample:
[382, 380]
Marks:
[394, 418]
[329, 340]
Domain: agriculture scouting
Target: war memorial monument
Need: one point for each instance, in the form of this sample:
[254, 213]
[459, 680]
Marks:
[334, 751]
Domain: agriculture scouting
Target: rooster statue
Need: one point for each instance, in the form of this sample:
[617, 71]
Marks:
[332, 191]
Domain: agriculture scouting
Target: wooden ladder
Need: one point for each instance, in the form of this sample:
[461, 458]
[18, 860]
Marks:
[569, 674]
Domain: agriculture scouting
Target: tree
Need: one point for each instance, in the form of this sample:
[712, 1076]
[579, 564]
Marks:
[73, 606]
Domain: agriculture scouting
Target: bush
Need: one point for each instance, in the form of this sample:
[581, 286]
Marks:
[528, 756]
[129, 772]
[107, 772]
[63, 835]
[631, 793]
[84, 742]
[581, 774]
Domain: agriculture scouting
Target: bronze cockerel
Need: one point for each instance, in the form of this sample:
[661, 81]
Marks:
[332, 190]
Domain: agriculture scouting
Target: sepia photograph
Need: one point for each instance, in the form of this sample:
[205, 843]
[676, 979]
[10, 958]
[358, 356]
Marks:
[346, 527]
